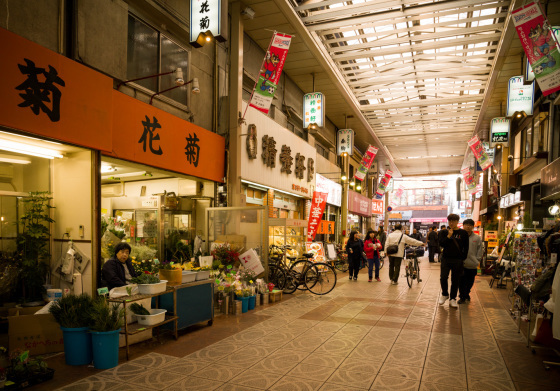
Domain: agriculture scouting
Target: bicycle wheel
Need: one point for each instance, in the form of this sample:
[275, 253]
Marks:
[341, 265]
[297, 270]
[408, 274]
[290, 285]
[322, 280]
[277, 276]
[418, 280]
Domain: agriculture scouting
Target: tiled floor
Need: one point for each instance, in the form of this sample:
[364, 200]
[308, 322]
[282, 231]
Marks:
[362, 336]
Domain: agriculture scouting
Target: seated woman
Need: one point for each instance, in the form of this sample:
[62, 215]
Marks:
[118, 270]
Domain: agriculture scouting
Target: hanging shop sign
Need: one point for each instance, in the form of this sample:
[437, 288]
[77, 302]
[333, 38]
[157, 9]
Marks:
[345, 142]
[154, 137]
[469, 179]
[271, 70]
[44, 93]
[367, 159]
[383, 184]
[529, 74]
[539, 45]
[326, 228]
[358, 204]
[208, 18]
[550, 180]
[313, 110]
[479, 153]
[377, 207]
[318, 203]
[520, 96]
[489, 151]
[333, 189]
[499, 131]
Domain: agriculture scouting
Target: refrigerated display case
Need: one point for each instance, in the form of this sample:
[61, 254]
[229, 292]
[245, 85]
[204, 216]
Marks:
[289, 232]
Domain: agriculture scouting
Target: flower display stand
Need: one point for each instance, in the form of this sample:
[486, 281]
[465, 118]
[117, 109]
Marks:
[194, 301]
[275, 296]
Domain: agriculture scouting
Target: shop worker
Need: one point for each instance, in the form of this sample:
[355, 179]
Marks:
[398, 238]
[118, 270]
[471, 263]
[455, 244]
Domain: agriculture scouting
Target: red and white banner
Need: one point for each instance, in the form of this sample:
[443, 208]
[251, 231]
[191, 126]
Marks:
[270, 72]
[480, 153]
[383, 184]
[377, 207]
[539, 44]
[366, 163]
[316, 214]
[469, 179]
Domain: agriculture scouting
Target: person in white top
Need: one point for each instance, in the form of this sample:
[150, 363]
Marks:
[396, 259]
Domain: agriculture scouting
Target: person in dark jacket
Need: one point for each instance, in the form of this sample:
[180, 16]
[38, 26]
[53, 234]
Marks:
[355, 250]
[382, 236]
[433, 244]
[455, 243]
[118, 270]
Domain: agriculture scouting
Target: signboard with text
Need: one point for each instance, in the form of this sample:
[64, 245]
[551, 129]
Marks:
[333, 189]
[208, 17]
[520, 96]
[499, 131]
[377, 207]
[313, 110]
[318, 203]
[345, 142]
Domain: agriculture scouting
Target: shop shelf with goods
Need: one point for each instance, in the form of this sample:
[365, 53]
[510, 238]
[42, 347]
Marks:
[288, 234]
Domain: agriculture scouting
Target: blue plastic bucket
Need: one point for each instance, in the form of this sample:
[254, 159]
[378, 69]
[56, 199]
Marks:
[105, 348]
[252, 302]
[244, 304]
[77, 345]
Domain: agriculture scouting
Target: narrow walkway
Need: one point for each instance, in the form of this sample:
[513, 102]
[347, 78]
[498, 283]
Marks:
[362, 336]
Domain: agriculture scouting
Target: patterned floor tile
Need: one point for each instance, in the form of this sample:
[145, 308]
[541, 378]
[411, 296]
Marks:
[313, 372]
[360, 365]
[124, 372]
[321, 359]
[352, 378]
[157, 379]
[288, 383]
[391, 383]
[154, 360]
[195, 384]
[427, 386]
[401, 372]
[185, 366]
[92, 383]
[222, 373]
[256, 379]
[339, 387]
[236, 387]
[443, 377]
[491, 385]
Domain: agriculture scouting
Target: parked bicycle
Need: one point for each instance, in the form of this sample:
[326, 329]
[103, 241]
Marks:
[317, 277]
[412, 267]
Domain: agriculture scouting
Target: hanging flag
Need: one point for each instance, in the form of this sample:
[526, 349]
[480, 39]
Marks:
[316, 214]
[479, 153]
[271, 70]
[383, 184]
[366, 163]
[539, 44]
[469, 180]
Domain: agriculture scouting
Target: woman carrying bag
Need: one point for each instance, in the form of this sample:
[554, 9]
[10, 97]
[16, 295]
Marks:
[355, 250]
[371, 248]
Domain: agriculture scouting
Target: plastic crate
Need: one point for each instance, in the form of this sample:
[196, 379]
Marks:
[150, 289]
[156, 316]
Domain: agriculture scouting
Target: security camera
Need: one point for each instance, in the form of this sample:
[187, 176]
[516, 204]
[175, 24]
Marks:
[249, 12]
[510, 158]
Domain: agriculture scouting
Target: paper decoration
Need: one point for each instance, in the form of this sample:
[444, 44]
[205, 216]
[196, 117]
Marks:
[383, 184]
[316, 214]
[366, 163]
[539, 44]
[479, 153]
[271, 70]
[250, 260]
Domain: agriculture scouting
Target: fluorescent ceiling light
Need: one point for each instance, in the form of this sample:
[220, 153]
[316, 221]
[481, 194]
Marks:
[105, 168]
[14, 146]
[124, 175]
[13, 159]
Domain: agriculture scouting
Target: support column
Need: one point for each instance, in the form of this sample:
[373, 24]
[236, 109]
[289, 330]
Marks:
[235, 106]
[386, 214]
[345, 189]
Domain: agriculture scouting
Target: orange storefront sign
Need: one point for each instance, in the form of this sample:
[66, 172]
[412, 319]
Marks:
[50, 95]
[145, 134]
[377, 207]
[326, 227]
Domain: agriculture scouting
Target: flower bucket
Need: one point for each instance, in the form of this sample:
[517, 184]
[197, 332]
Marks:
[244, 304]
[237, 307]
[105, 348]
[258, 299]
[252, 302]
[264, 298]
[77, 345]
[173, 276]
[225, 305]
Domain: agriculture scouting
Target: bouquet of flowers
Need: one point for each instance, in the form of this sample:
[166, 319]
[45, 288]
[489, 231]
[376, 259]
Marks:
[246, 275]
[149, 266]
[225, 255]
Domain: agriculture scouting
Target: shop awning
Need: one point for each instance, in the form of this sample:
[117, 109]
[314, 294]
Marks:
[429, 216]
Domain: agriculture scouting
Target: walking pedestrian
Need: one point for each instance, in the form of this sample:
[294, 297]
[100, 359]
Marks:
[355, 251]
[398, 238]
[382, 237]
[433, 244]
[455, 243]
[471, 263]
[371, 247]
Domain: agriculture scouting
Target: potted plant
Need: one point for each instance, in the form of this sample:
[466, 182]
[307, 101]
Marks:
[149, 284]
[107, 320]
[33, 245]
[73, 314]
[26, 371]
[171, 272]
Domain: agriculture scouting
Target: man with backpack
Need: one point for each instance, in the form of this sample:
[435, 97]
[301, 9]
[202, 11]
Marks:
[395, 250]
[455, 243]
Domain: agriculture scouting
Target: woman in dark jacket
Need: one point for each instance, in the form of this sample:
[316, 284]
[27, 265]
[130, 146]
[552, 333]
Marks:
[355, 251]
[118, 270]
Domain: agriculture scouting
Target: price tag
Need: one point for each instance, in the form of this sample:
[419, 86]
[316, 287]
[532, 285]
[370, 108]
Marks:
[141, 329]
[103, 291]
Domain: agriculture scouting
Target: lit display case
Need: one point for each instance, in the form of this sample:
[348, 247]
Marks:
[291, 232]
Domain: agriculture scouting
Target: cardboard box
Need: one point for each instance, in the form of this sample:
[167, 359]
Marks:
[39, 334]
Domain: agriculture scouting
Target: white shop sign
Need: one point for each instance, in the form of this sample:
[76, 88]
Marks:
[207, 16]
[250, 260]
[313, 110]
[520, 96]
[333, 189]
[345, 142]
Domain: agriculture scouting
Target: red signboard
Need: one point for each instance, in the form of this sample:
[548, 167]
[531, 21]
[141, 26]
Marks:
[316, 214]
[377, 207]
[358, 204]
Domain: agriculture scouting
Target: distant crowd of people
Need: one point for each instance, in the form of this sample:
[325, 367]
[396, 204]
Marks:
[459, 250]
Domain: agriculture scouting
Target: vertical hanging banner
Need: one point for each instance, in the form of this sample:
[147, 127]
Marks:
[271, 70]
[539, 45]
[313, 110]
[469, 180]
[479, 153]
[316, 214]
[345, 142]
[366, 163]
[383, 185]
[397, 195]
